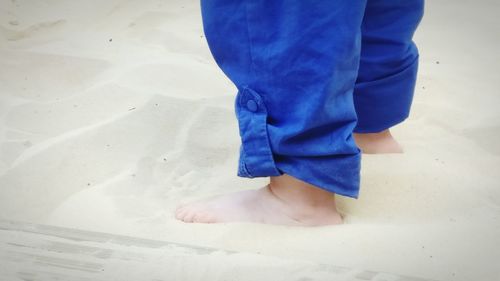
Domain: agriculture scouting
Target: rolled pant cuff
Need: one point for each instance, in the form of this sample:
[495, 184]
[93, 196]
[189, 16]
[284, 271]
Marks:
[386, 102]
[336, 174]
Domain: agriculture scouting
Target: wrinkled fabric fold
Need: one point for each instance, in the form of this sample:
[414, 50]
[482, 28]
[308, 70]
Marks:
[388, 68]
[295, 65]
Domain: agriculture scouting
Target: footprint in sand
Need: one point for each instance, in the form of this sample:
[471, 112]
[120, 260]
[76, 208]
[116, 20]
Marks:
[31, 31]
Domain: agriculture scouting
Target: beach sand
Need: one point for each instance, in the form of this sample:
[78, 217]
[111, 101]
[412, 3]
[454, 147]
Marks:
[114, 112]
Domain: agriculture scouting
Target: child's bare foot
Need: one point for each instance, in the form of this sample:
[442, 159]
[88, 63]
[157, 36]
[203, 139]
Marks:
[284, 201]
[375, 143]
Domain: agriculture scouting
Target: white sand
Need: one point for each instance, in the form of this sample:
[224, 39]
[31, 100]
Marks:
[113, 112]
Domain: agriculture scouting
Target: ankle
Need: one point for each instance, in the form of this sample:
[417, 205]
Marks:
[292, 191]
[377, 143]
[308, 212]
[374, 136]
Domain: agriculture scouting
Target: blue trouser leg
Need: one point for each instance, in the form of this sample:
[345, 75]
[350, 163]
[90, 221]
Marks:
[295, 64]
[388, 66]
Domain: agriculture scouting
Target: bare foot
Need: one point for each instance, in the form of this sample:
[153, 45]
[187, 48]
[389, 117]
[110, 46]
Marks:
[377, 143]
[284, 201]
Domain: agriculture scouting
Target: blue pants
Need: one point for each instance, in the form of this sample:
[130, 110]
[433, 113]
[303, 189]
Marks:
[309, 74]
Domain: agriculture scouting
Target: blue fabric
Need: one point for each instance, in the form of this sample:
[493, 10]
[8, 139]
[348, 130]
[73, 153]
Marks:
[308, 74]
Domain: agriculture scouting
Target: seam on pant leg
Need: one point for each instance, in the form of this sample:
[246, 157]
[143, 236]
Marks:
[242, 168]
[250, 46]
[253, 162]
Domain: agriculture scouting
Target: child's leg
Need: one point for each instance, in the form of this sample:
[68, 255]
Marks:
[387, 72]
[294, 64]
[377, 143]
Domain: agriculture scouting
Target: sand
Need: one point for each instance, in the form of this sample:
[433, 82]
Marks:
[113, 112]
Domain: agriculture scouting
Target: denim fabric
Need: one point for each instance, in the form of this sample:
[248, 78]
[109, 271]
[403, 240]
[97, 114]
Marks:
[308, 74]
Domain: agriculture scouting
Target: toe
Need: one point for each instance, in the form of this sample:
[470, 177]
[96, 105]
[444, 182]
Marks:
[189, 216]
[197, 218]
[210, 219]
[203, 218]
[181, 214]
